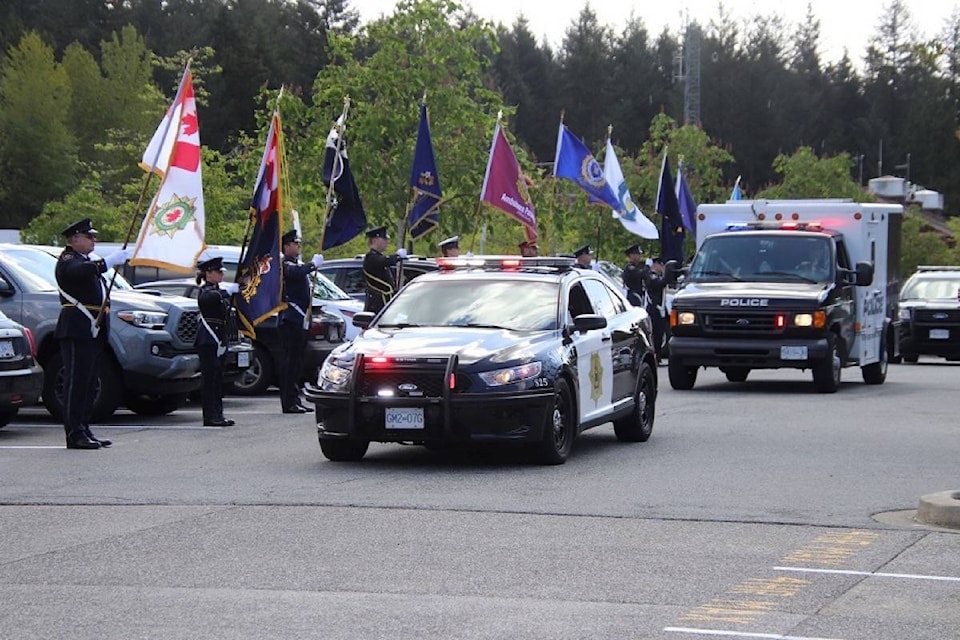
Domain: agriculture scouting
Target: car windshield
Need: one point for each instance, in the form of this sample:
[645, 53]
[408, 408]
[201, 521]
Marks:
[324, 289]
[33, 269]
[763, 258]
[514, 305]
[931, 288]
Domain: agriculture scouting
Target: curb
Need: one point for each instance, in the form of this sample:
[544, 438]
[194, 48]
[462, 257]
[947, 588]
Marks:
[941, 509]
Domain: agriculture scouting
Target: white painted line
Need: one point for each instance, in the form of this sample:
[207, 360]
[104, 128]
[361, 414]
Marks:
[128, 427]
[44, 446]
[738, 634]
[910, 576]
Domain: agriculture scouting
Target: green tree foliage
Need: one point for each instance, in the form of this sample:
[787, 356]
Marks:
[38, 153]
[807, 176]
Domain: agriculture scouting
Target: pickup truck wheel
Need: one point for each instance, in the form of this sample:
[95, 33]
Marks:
[638, 426]
[6, 416]
[154, 405]
[558, 429]
[681, 376]
[826, 372]
[737, 374]
[106, 388]
[258, 377]
[911, 357]
[343, 450]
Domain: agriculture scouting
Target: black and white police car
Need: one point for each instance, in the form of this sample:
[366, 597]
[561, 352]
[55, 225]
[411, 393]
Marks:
[491, 348]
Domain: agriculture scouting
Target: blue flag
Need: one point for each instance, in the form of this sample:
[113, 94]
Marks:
[671, 234]
[737, 194]
[259, 273]
[575, 162]
[688, 206]
[346, 218]
[425, 181]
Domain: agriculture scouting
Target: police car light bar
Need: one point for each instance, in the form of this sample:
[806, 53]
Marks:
[504, 262]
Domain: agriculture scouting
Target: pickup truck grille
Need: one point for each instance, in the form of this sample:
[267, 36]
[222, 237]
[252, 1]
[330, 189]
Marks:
[187, 326]
[739, 323]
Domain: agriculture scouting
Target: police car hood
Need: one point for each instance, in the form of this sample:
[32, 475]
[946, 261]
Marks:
[931, 303]
[471, 345]
[710, 294]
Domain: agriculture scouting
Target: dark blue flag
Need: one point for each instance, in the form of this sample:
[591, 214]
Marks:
[259, 272]
[688, 206]
[425, 181]
[671, 233]
[346, 218]
[575, 162]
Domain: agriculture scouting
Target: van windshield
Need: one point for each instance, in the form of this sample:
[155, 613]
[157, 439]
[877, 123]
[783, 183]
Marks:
[764, 258]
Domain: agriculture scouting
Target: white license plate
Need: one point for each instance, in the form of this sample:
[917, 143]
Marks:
[939, 334]
[793, 353]
[6, 349]
[404, 418]
[243, 359]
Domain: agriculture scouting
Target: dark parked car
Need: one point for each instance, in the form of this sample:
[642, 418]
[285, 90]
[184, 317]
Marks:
[930, 313]
[21, 378]
[347, 273]
[491, 349]
[327, 330]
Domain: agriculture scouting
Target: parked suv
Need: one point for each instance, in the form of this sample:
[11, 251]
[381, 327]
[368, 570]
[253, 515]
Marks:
[151, 364]
[930, 313]
[21, 378]
[347, 273]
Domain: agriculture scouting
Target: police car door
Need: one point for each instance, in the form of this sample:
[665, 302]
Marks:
[594, 360]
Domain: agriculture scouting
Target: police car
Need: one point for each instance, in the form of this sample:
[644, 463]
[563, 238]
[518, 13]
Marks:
[491, 348]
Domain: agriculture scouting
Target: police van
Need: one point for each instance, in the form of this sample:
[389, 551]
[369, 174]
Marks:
[800, 284]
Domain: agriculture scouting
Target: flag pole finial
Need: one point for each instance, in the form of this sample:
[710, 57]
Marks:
[609, 131]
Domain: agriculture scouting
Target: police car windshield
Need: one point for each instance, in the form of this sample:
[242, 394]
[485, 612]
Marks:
[764, 258]
[513, 305]
[931, 289]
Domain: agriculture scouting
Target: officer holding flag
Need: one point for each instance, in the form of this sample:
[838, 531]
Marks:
[295, 319]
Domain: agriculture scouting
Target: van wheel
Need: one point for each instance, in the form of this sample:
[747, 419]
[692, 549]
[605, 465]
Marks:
[106, 388]
[682, 377]
[737, 374]
[826, 372]
[258, 377]
[638, 426]
[876, 373]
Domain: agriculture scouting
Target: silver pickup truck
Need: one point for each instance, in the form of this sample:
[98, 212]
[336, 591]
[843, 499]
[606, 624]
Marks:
[150, 366]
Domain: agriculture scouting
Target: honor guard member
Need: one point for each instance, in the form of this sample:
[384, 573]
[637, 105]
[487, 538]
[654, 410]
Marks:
[450, 248]
[529, 249]
[376, 270]
[211, 341]
[294, 320]
[633, 275]
[82, 327]
[654, 284]
[584, 257]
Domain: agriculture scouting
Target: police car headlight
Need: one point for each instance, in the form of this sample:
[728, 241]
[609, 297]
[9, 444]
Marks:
[904, 314]
[144, 319]
[335, 373]
[510, 375]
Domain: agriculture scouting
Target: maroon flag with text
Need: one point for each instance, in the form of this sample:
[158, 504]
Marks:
[505, 187]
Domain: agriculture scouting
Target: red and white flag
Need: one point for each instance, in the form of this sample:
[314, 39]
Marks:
[172, 234]
[505, 187]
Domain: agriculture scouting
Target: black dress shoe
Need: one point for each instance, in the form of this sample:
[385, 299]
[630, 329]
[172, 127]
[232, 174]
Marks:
[296, 409]
[101, 441]
[81, 441]
[222, 422]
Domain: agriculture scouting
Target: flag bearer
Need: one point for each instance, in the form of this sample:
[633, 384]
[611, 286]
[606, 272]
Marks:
[211, 340]
[376, 270]
[294, 320]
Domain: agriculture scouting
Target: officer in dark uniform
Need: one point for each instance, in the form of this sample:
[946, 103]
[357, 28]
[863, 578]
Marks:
[584, 257]
[82, 327]
[294, 320]
[654, 284]
[376, 270]
[211, 341]
[450, 248]
[633, 275]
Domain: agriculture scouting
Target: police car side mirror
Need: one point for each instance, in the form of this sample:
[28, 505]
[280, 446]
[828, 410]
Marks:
[363, 319]
[587, 322]
[672, 272]
[864, 274]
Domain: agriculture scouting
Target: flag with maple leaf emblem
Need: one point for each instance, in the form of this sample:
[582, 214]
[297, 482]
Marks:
[172, 233]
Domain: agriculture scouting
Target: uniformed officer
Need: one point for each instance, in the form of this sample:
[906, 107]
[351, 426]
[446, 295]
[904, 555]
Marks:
[83, 327]
[211, 341]
[529, 249]
[584, 257]
[654, 284]
[376, 270]
[294, 320]
[633, 275]
[450, 248]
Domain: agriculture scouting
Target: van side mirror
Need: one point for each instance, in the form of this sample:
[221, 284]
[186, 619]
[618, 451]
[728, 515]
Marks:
[672, 272]
[864, 274]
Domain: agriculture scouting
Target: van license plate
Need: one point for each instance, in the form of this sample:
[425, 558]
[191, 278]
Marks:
[404, 418]
[793, 353]
[939, 334]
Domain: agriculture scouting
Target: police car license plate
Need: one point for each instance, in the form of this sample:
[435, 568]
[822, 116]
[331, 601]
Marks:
[243, 359]
[939, 334]
[793, 353]
[6, 349]
[404, 418]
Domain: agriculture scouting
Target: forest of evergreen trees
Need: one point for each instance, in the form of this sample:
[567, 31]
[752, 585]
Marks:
[764, 90]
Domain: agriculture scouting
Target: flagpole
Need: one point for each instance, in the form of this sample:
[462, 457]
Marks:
[476, 224]
[341, 127]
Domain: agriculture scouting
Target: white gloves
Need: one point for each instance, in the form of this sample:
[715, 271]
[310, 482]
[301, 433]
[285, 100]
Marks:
[649, 262]
[402, 253]
[230, 287]
[117, 257]
[317, 260]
